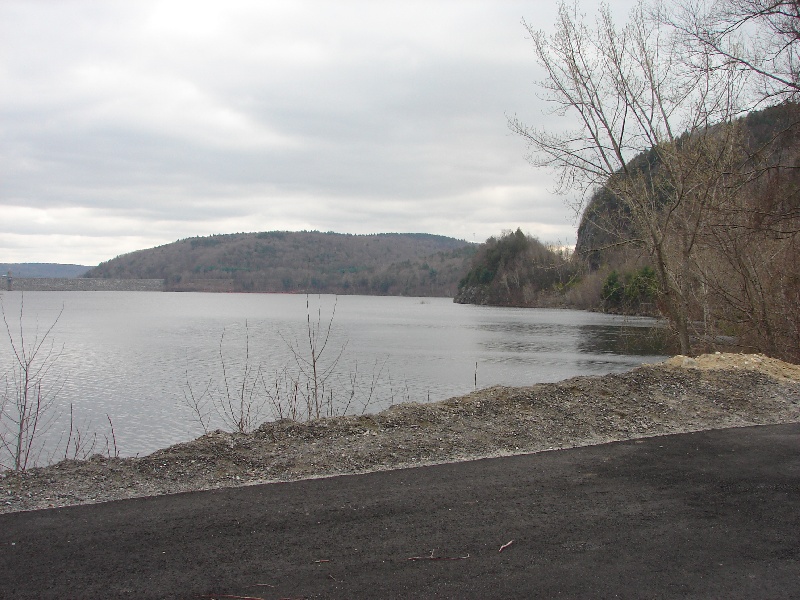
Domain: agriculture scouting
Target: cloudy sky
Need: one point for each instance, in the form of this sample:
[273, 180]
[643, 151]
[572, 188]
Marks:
[126, 125]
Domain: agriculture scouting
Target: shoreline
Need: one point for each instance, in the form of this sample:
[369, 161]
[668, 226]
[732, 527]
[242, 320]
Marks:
[678, 396]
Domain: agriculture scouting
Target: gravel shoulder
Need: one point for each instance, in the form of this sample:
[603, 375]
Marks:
[681, 395]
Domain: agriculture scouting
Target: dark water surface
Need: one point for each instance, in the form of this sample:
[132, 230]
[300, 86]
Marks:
[129, 354]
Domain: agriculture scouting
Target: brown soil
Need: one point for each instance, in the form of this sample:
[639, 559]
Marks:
[751, 362]
[684, 394]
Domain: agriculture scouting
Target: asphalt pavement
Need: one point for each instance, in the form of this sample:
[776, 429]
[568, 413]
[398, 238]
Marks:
[706, 515]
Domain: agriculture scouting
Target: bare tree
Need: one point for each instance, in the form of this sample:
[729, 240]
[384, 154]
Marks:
[752, 267]
[649, 129]
[760, 38]
[749, 263]
[28, 402]
[314, 371]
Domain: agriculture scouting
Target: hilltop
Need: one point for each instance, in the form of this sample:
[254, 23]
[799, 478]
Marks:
[43, 270]
[412, 264]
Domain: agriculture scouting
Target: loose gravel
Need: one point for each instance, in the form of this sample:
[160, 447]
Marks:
[681, 395]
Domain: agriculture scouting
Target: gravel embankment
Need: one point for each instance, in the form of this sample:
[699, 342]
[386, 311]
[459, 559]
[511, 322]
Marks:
[682, 395]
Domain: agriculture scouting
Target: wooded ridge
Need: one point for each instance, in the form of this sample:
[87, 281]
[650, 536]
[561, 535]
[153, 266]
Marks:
[412, 264]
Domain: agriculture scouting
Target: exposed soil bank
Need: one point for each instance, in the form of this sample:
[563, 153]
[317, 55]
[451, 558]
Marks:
[681, 395]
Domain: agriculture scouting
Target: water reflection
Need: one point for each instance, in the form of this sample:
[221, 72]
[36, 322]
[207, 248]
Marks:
[520, 337]
[634, 341]
[522, 328]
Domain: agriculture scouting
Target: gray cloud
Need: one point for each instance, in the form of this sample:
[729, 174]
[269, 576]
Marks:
[128, 125]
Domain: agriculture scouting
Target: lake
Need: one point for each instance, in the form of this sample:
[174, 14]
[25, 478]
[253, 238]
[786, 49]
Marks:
[133, 357]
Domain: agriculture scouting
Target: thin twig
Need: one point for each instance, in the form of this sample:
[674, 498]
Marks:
[214, 596]
[432, 557]
[506, 545]
[113, 437]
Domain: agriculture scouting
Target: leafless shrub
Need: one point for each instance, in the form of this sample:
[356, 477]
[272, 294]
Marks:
[109, 452]
[198, 404]
[80, 445]
[309, 387]
[28, 407]
[240, 404]
[238, 401]
[314, 371]
[30, 418]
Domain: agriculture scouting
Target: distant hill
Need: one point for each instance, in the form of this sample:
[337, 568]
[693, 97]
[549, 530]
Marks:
[42, 270]
[411, 264]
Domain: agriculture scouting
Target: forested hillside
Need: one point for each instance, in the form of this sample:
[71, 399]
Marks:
[516, 270]
[308, 261]
[732, 258]
[606, 228]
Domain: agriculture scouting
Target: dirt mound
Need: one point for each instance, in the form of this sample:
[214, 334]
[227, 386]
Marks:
[752, 362]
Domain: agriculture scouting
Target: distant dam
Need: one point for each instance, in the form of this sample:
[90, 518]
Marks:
[80, 284]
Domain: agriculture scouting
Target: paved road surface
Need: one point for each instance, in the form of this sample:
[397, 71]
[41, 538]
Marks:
[706, 515]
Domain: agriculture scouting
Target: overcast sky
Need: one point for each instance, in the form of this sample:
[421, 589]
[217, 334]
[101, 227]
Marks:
[127, 125]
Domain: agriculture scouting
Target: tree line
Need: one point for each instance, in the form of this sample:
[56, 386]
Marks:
[301, 262]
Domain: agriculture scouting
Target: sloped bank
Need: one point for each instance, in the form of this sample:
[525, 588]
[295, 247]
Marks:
[681, 395]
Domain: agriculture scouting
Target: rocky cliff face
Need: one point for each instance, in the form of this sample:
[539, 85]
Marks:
[473, 294]
[606, 224]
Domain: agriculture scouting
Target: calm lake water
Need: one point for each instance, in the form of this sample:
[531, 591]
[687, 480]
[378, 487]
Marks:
[129, 355]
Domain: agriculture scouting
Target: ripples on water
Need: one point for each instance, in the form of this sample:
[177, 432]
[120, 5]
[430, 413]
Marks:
[128, 354]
